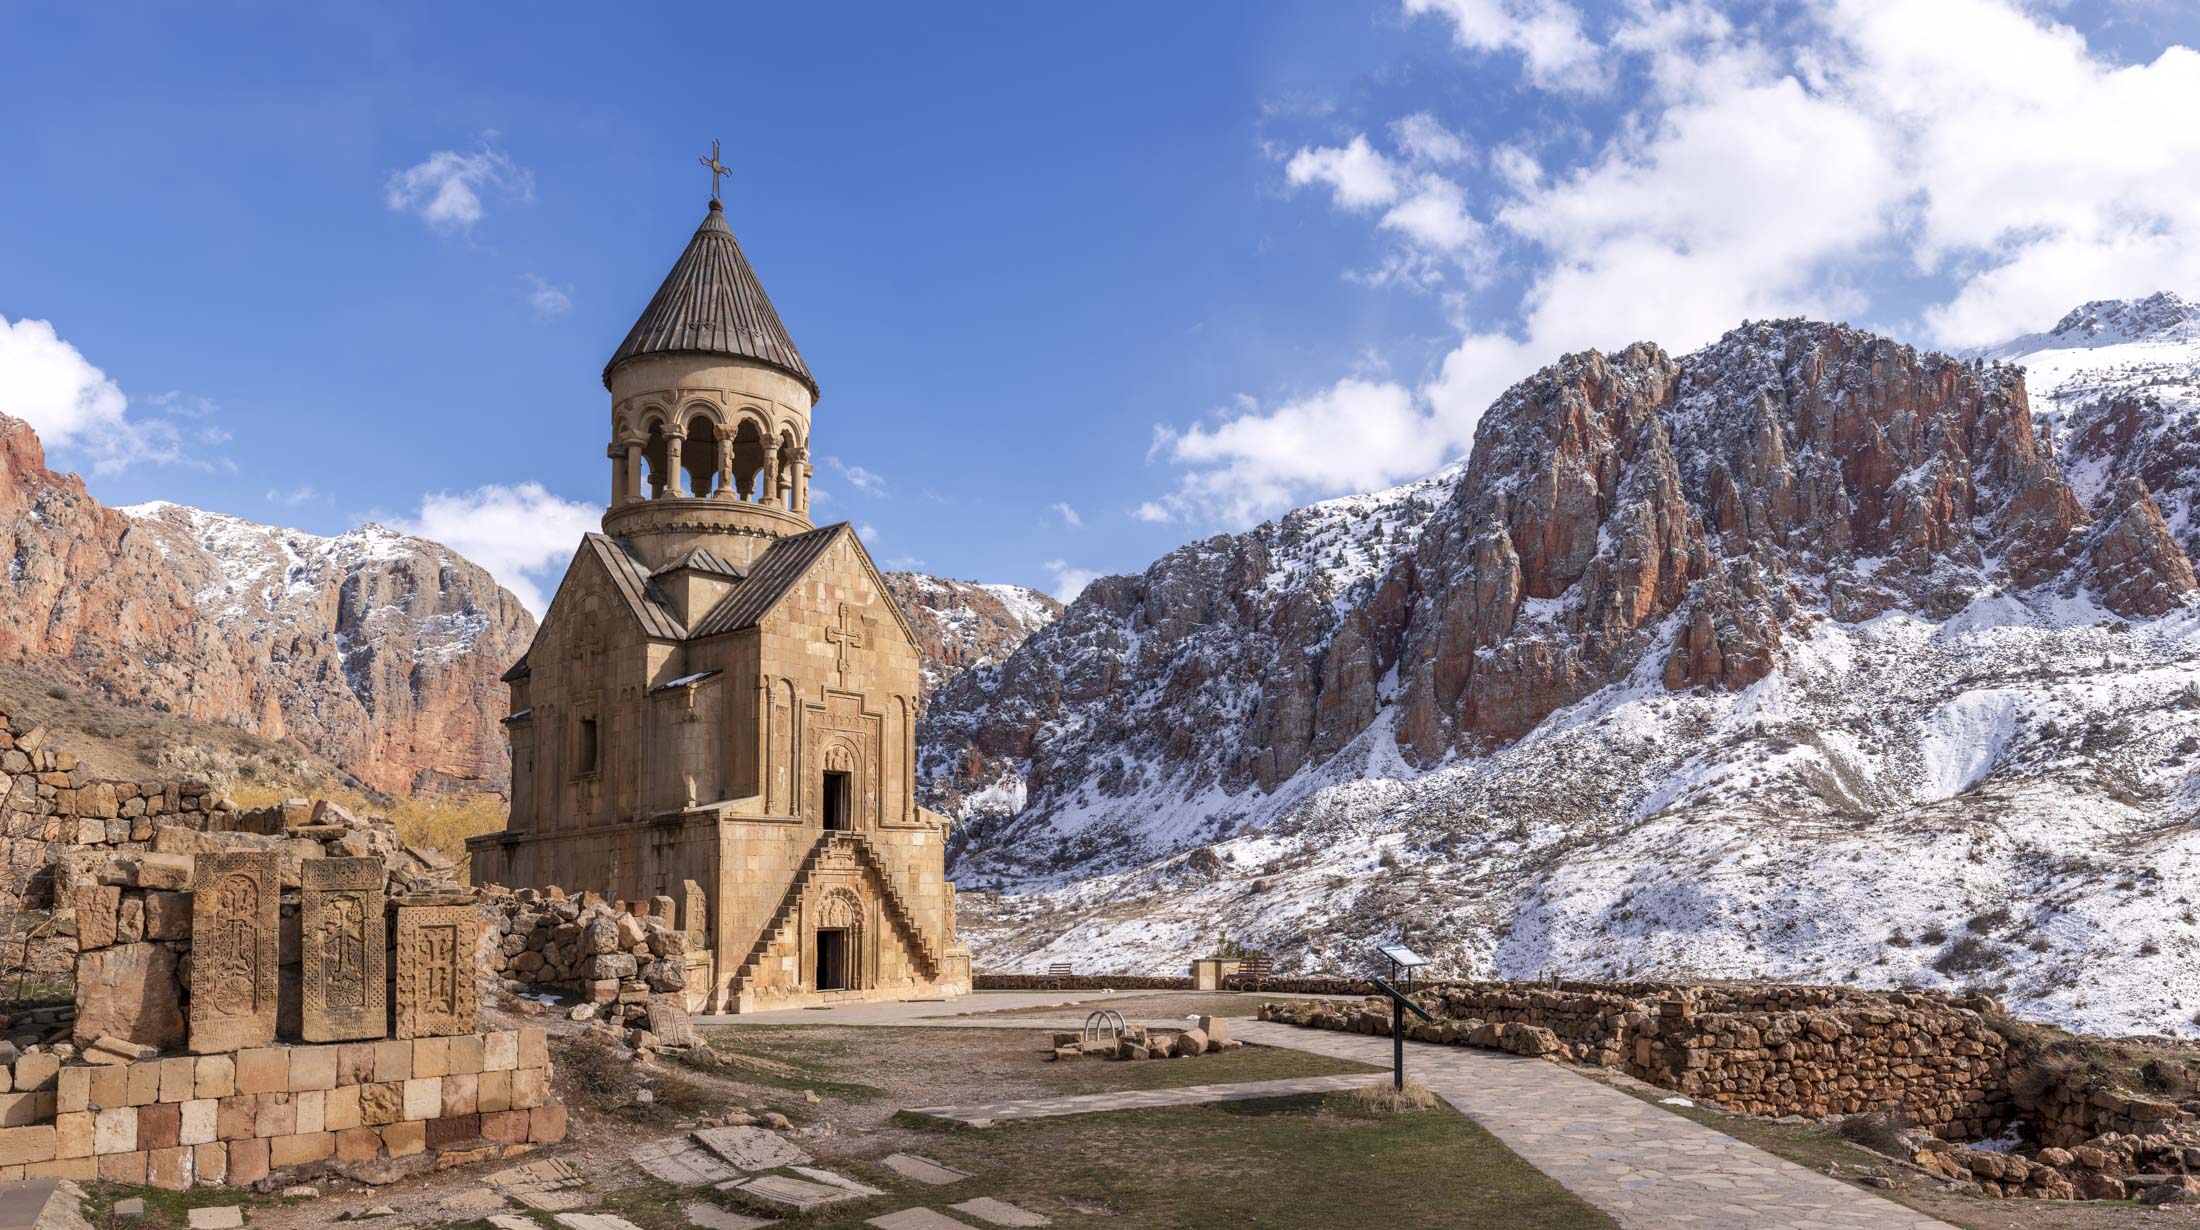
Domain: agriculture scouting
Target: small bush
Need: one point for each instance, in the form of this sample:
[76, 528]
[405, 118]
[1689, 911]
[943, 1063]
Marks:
[1384, 1100]
[1932, 935]
[1877, 1130]
[1968, 955]
[1991, 921]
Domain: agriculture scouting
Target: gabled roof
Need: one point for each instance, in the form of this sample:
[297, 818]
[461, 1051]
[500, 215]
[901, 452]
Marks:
[702, 560]
[711, 303]
[770, 577]
[634, 584]
[520, 670]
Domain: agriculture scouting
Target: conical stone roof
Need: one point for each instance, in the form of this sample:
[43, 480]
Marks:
[711, 303]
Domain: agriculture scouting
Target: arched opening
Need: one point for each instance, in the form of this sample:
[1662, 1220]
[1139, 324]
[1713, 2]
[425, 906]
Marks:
[653, 456]
[748, 460]
[699, 456]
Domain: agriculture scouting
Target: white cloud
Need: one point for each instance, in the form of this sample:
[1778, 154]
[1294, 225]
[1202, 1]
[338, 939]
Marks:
[546, 297]
[1251, 462]
[868, 532]
[522, 534]
[904, 563]
[76, 408]
[1068, 581]
[1546, 33]
[1357, 176]
[304, 494]
[1153, 511]
[1423, 138]
[446, 189]
[866, 481]
[1067, 514]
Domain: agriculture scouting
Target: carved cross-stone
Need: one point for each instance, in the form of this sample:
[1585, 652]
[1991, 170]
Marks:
[344, 968]
[849, 635]
[435, 970]
[234, 949]
[697, 920]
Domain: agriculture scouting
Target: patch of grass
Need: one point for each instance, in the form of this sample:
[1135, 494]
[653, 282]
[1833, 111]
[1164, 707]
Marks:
[1248, 1063]
[1384, 1099]
[794, 1057]
[165, 1209]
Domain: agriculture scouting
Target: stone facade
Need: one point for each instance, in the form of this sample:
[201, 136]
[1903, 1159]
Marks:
[722, 693]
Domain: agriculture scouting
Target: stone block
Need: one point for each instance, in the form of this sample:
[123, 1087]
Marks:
[435, 970]
[276, 1115]
[546, 1124]
[312, 1105]
[123, 1168]
[340, 1108]
[358, 1144]
[73, 1089]
[200, 1122]
[393, 1061]
[178, 1079]
[234, 1116]
[312, 1067]
[424, 1097]
[214, 1077]
[355, 1063]
[464, 1056]
[167, 916]
[169, 1169]
[160, 1126]
[505, 1127]
[450, 1131]
[264, 1069]
[22, 1146]
[74, 1134]
[129, 991]
[115, 1130]
[247, 1162]
[24, 1109]
[431, 1057]
[381, 1103]
[534, 1047]
[167, 872]
[405, 1139]
[461, 1095]
[500, 1051]
[212, 1162]
[300, 1149]
[344, 966]
[235, 932]
[530, 1088]
[493, 1091]
[96, 905]
[110, 1087]
[144, 1082]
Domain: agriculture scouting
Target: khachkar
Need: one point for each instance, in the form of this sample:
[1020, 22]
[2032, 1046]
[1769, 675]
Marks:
[345, 968]
[233, 951]
[435, 970]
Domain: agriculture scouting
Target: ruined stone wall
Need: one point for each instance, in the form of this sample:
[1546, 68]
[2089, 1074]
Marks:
[1774, 1051]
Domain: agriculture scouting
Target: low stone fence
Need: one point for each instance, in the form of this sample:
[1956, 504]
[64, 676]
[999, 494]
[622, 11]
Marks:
[629, 960]
[1077, 982]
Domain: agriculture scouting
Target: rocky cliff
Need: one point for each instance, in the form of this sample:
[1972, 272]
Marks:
[1796, 655]
[962, 624]
[377, 651]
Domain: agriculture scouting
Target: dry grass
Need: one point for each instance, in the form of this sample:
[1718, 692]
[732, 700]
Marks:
[437, 822]
[1384, 1100]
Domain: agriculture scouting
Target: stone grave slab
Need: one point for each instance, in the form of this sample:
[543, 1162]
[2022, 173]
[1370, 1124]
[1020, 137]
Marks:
[234, 950]
[1000, 1213]
[475, 1202]
[344, 964]
[595, 1221]
[435, 970]
[683, 1163]
[669, 1021]
[751, 1148]
[792, 1192]
[922, 1169]
[218, 1216]
[837, 1180]
[512, 1221]
[711, 1217]
[917, 1219]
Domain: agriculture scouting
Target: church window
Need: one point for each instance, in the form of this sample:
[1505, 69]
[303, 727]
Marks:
[585, 754]
[838, 812]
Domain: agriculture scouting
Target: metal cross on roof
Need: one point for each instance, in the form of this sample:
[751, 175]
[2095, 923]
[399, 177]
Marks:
[717, 168]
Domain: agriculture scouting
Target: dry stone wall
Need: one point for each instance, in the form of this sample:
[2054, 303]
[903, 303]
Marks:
[638, 971]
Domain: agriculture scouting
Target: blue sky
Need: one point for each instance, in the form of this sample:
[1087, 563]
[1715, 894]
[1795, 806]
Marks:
[1080, 284]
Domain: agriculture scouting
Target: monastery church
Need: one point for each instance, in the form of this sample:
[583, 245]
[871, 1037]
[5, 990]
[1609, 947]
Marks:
[720, 705]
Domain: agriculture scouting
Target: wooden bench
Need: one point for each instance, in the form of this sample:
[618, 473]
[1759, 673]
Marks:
[1253, 967]
[1060, 969]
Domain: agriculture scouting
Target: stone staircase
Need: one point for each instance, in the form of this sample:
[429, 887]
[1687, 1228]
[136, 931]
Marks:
[896, 903]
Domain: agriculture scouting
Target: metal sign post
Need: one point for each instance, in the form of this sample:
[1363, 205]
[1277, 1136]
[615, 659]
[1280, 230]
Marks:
[1404, 959]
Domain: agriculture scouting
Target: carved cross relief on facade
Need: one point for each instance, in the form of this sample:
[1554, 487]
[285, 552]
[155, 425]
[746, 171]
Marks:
[849, 635]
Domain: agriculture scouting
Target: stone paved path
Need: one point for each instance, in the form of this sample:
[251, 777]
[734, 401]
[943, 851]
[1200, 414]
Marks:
[1643, 1166]
[981, 1114]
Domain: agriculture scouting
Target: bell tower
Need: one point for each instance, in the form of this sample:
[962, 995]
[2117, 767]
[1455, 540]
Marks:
[710, 412]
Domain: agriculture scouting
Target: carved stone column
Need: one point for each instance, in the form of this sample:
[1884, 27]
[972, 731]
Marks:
[673, 440]
[633, 471]
[802, 481]
[725, 489]
[768, 484]
[618, 473]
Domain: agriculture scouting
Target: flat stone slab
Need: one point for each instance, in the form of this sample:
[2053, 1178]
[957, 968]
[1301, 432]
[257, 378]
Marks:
[711, 1217]
[475, 1202]
[510, 1221]
[1000, 1213]
[917, 1219]
[751, 1148]
[683, 1163]
[837, 1180]
[549, 1202]
[547, 1174]
[595, 1221]
[984, 1113]
[24, 1204]
[792, 1192]
[217, 1217]
[922, 1169]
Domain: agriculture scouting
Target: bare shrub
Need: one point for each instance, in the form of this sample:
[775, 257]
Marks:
[1877, 1130]
[1384, 1100]
[1968, 955]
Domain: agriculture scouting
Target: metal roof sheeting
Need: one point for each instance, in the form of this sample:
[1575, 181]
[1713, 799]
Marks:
[712, 303]
[770, 577]
[633, 583]
[702, 560]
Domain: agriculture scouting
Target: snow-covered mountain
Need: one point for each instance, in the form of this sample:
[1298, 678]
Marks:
[1807, 655]
[965, 624]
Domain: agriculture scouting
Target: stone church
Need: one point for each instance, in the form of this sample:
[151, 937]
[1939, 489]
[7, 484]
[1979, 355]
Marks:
[720, 705]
